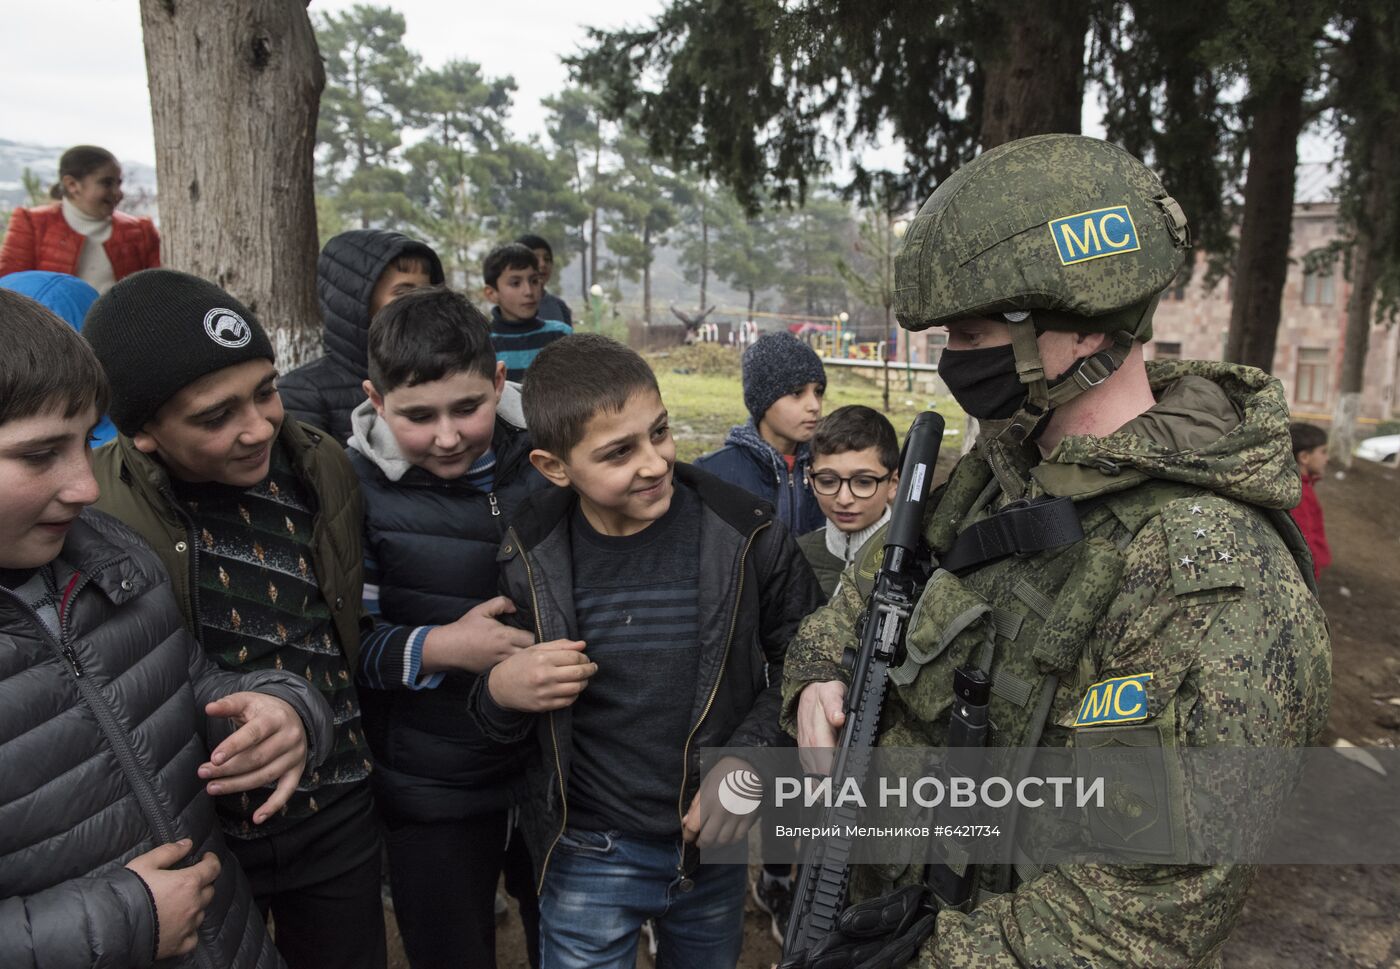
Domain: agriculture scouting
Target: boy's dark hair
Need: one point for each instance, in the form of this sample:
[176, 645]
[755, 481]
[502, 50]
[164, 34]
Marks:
[46, 364]
[410, 261]
[1306, 437]
[574, 378]
[856, 427]
[425, 335]
[512, 255]
[531, 241]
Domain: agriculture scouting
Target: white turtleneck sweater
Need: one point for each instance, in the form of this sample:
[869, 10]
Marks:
[94, 267]
[845, 545]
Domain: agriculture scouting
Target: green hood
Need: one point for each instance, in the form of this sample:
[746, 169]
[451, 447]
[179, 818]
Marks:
[1219, 426]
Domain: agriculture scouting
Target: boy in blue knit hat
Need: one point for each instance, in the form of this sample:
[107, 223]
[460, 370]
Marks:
[784, 383]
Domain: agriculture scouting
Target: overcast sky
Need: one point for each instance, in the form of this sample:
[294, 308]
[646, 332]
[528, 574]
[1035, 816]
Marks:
[73, 71]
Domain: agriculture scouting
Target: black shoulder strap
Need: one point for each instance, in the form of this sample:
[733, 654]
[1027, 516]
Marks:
[1021, 528]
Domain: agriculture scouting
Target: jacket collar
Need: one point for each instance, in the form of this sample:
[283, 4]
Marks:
[100, 548]
[747, 437]
[375, 442]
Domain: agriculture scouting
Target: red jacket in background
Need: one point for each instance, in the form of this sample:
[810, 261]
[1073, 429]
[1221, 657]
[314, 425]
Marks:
[1308, 515]
[40, 238]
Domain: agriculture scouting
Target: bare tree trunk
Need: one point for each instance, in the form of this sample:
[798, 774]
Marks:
[1034, 72]
[593, 240]
[583, 261]
[704, 250]
[1374, 226]
[1261, 262]
[646, 274]
[235, 88]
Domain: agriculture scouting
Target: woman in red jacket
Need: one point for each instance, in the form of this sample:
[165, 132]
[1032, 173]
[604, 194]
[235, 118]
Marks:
[82, 234]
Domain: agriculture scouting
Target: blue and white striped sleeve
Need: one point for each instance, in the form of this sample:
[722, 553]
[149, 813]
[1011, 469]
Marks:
[391, 656]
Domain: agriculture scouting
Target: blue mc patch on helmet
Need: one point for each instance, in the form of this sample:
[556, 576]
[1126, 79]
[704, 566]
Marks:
[1094, 234]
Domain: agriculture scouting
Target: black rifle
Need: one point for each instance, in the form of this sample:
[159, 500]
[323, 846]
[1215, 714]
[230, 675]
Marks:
[820, 896]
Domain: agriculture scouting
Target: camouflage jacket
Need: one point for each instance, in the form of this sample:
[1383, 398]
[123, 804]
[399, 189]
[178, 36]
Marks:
[1190, 572]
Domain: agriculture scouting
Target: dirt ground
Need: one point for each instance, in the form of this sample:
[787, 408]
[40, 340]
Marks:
[1297, 916]
[1344, 915]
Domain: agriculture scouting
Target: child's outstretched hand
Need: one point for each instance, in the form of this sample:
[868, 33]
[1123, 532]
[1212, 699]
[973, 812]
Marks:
[477, 641]
[546, 676]
[269, 747]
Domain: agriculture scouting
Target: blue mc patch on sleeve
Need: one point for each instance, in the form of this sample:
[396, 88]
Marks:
[1094, 234]
[1122, 699]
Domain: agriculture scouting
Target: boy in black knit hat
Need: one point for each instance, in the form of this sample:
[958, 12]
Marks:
[258, 521]
[784, 383]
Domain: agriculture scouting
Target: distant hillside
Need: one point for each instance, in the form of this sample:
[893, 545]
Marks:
[42, 160]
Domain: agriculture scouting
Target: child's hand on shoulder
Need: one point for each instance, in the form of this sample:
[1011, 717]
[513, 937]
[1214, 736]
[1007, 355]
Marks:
[547, 676]
[477, 641]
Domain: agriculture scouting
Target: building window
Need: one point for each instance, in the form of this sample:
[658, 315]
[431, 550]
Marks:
[1319, 285]
[1165, 351]
[1310, 385]
[1177, 290]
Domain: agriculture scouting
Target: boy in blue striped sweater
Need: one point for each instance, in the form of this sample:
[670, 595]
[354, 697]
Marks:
[514, 284]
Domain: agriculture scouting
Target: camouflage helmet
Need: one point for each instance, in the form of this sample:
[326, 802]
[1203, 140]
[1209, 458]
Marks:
[1073, 229]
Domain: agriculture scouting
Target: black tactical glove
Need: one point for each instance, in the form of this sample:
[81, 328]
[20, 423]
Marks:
[883, 933]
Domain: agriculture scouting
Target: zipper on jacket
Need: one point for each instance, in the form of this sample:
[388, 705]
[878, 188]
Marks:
[553, 737]
[164, 828]
[495, 508]
[724, 660]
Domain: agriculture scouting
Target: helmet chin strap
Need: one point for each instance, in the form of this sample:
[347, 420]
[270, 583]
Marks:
[1042, 395]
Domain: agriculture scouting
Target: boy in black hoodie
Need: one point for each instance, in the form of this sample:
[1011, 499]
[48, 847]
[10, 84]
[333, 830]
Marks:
[358, 274]
[441, 473]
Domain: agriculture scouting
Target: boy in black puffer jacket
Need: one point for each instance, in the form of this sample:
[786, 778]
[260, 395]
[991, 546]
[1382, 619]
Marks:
[110, 853]
[441, 474]
[358, 274]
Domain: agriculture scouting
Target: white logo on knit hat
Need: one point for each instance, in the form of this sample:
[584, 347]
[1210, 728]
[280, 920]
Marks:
[227, 328]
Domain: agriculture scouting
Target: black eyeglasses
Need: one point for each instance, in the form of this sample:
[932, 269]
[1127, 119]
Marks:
[828, 483]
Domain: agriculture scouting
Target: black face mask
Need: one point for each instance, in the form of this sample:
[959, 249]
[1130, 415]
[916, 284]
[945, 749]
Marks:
[984, 382]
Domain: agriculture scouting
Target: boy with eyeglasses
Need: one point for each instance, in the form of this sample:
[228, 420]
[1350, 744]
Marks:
[855, 474]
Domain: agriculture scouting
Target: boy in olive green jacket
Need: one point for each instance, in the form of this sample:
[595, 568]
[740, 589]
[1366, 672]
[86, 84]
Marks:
[258, 521]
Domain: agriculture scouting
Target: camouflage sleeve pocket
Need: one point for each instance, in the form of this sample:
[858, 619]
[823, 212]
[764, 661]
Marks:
[1142, 813]
[949, 621]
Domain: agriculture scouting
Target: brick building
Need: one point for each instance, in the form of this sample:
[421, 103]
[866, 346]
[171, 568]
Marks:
[1192, 322]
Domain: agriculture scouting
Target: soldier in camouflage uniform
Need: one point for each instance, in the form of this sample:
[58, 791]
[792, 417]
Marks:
[1045, 259]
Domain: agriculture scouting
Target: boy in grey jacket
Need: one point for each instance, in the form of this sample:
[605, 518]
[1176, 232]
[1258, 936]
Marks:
[113, 724]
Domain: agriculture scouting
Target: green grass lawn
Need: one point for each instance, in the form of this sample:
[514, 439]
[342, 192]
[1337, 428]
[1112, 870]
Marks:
[701, 388]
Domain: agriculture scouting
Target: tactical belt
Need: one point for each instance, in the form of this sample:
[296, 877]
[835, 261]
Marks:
[1021, 528]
